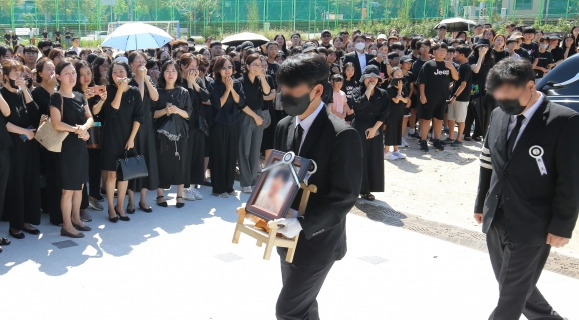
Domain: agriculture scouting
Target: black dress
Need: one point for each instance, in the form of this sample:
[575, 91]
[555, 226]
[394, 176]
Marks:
[173, 138]
[119, 124]
[74, 154]
[23, 189]
[393, 134]
[368, 112]
[145, 145]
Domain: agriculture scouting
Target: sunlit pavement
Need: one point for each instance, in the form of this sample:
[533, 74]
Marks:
[180, 264]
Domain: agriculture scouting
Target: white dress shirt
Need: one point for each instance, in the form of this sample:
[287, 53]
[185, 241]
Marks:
[307, 123]
[362, 59]
[528, 115]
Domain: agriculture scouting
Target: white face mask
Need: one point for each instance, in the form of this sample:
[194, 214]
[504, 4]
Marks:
[544, 46]
[360, 46]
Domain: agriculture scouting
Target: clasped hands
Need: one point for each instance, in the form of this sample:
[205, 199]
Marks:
[82, 132]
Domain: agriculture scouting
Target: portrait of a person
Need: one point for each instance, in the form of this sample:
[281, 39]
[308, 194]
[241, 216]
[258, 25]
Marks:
[271, 198]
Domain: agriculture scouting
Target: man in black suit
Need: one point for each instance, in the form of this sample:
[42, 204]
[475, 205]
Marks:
[312, 133]
[528, 195]
[359, 58]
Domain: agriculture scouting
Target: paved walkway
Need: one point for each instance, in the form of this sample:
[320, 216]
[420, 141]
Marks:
[181, 264]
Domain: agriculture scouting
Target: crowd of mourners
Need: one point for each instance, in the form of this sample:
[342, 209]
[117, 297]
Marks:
[201, 114]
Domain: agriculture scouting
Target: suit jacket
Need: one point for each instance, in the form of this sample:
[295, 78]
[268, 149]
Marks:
[337, 150]
[533, 204]
[353, 57]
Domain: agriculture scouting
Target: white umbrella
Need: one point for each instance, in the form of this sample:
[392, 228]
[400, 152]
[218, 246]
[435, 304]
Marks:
[457, 24]
[134, 36]
[237, 39]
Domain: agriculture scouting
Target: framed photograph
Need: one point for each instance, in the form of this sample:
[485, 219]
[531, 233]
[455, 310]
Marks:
[276, 188]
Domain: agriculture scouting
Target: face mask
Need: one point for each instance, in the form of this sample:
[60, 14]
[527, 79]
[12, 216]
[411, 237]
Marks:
[512, 106]
[544, 46]
[29, 83]
[294, 106]
[360, 46]
[12, 83]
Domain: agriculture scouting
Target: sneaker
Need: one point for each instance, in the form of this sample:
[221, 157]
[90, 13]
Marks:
[188, 194]
[390, 156]
[85, 216]
[399, 155]
[456, 144]
[197, 194]
[94, 204]
[423, 146]
[405, 143]
[224, 195]
[99, 198]
[438, 145]
[246, 190]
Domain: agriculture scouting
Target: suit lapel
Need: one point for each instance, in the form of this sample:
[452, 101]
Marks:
[532, 127]
[314, 133]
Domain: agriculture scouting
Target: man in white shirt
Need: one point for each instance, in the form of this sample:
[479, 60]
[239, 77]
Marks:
[75, 46]
[359, 58]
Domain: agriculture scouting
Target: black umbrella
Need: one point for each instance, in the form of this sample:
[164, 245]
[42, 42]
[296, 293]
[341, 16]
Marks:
[456, 24]
[237, 39]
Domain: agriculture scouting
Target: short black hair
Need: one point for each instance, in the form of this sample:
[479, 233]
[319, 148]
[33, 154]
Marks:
[337, 77]
[423, 42]
[161, 82]
[450, 49]
[271, 43]
[310, 69]
[359, 35]
[439, 45]
[529, 30]
[75, 38]
[44, 43]
[31, 48]
[397, 46]
[464, 49]
[510, 72]
[214, 43]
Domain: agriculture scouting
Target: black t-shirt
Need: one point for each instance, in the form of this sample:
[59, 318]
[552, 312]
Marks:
[500, 55]
[57, 35]
[479, 79]
[558, 53]
[464, 75]
[524, 54]
[42, 99]
[67, 35]
[416, 67]
[533, 49]
[7, 37]
[436, 78]
[272, 71]
[326, 46]
[545, 59]
[45, 35]
[348, 86]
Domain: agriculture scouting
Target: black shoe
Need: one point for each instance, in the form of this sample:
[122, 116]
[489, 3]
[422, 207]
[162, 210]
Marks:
[17, 235]
[65, 233]
[438, 145]
[180, 204]
[456, 144]
[98, 197]
[479, 139]
[32, 231]
[130, 211]
[147, 210]
[81, 228]
[467, 139]
[4, 241]
[414, 135]
[115, 219]
[161, 204]
[448, 141]
[424, 146]
[125, 218]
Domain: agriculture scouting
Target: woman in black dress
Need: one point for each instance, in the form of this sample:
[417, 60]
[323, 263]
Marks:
[172, 111]
[227, 100]
[123, 113]
[23, 209]
[198, 124]
[370, 105]
[4, 159]
[70, 113]
[398, 95]
[145, 140]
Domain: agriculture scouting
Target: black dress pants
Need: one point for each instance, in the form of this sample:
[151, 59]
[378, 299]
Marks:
[517, 268]
[301, 285]
[224, 149]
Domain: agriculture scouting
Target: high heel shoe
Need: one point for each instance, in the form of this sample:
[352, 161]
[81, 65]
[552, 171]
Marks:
[114, 219]
[180, 204]
[125, 218]
[81, 228]
[130, 211]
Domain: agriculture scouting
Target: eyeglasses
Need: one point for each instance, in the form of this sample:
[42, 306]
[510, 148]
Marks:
[228, 67]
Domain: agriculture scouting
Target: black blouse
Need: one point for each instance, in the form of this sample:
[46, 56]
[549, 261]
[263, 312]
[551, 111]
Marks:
[230, 112]
[21, 114]
[375, 109]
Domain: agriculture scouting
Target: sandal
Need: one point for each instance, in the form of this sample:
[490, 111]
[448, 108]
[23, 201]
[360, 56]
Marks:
[4, 241]
[161, 204]
[180, 204]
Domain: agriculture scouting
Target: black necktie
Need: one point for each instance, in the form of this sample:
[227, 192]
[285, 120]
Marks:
[514, 134]
[298, 135]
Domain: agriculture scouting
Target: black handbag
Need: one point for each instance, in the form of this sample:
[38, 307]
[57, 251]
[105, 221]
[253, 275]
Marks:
[129, 168]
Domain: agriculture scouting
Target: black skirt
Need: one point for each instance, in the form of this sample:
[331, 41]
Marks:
[173, 160]
[74, 163]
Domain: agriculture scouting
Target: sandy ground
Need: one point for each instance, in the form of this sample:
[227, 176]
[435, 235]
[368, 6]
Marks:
[441, 186]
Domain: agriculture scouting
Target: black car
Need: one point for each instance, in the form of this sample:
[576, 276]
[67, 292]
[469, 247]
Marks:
[561, 85]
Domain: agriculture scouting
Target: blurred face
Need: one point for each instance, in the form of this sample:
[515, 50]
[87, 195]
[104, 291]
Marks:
[449, 56]
[576, 31]
[337, 84]
[192, 66]
[13, 75]
[164, 56]
[84, 56]
[508, 92]
[338, 43]
[67, 76]
[207, 54]
[296, 40]
[538, 36]
[349, 72]
[254, 66]
[440, 54]
[529, 36]
[280, 41]
[441, 33]
[8, 56]
[272, 50]
[326, 37]
[349, 47]
[553, 43]
[406, 66]
[119, 73]
[227, 70]
[478, 30]
[569, 42]
[30, 57]
[264, 66]
[332, 57]
[104, 68]
[424, 50]
[511, 46]
[47, 71]
[170, 74]
[76, 42]
[137, 63]
[383, 51]
[369, 80]
[85, 76]
[398, 74]
[488, 35]
[20, 50]
[215, 50]
[275, 186]
[462, 36]
[499, 42]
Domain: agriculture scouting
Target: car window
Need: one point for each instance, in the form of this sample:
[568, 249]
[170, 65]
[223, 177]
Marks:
[565, 71]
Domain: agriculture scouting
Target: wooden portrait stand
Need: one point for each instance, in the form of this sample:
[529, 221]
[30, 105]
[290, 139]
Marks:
[266, 232]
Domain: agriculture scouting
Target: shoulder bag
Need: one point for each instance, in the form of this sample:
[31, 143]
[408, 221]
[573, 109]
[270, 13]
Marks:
[48, 136]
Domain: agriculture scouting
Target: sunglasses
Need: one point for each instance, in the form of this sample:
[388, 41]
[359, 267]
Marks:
[228, 67]
[326, 36]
